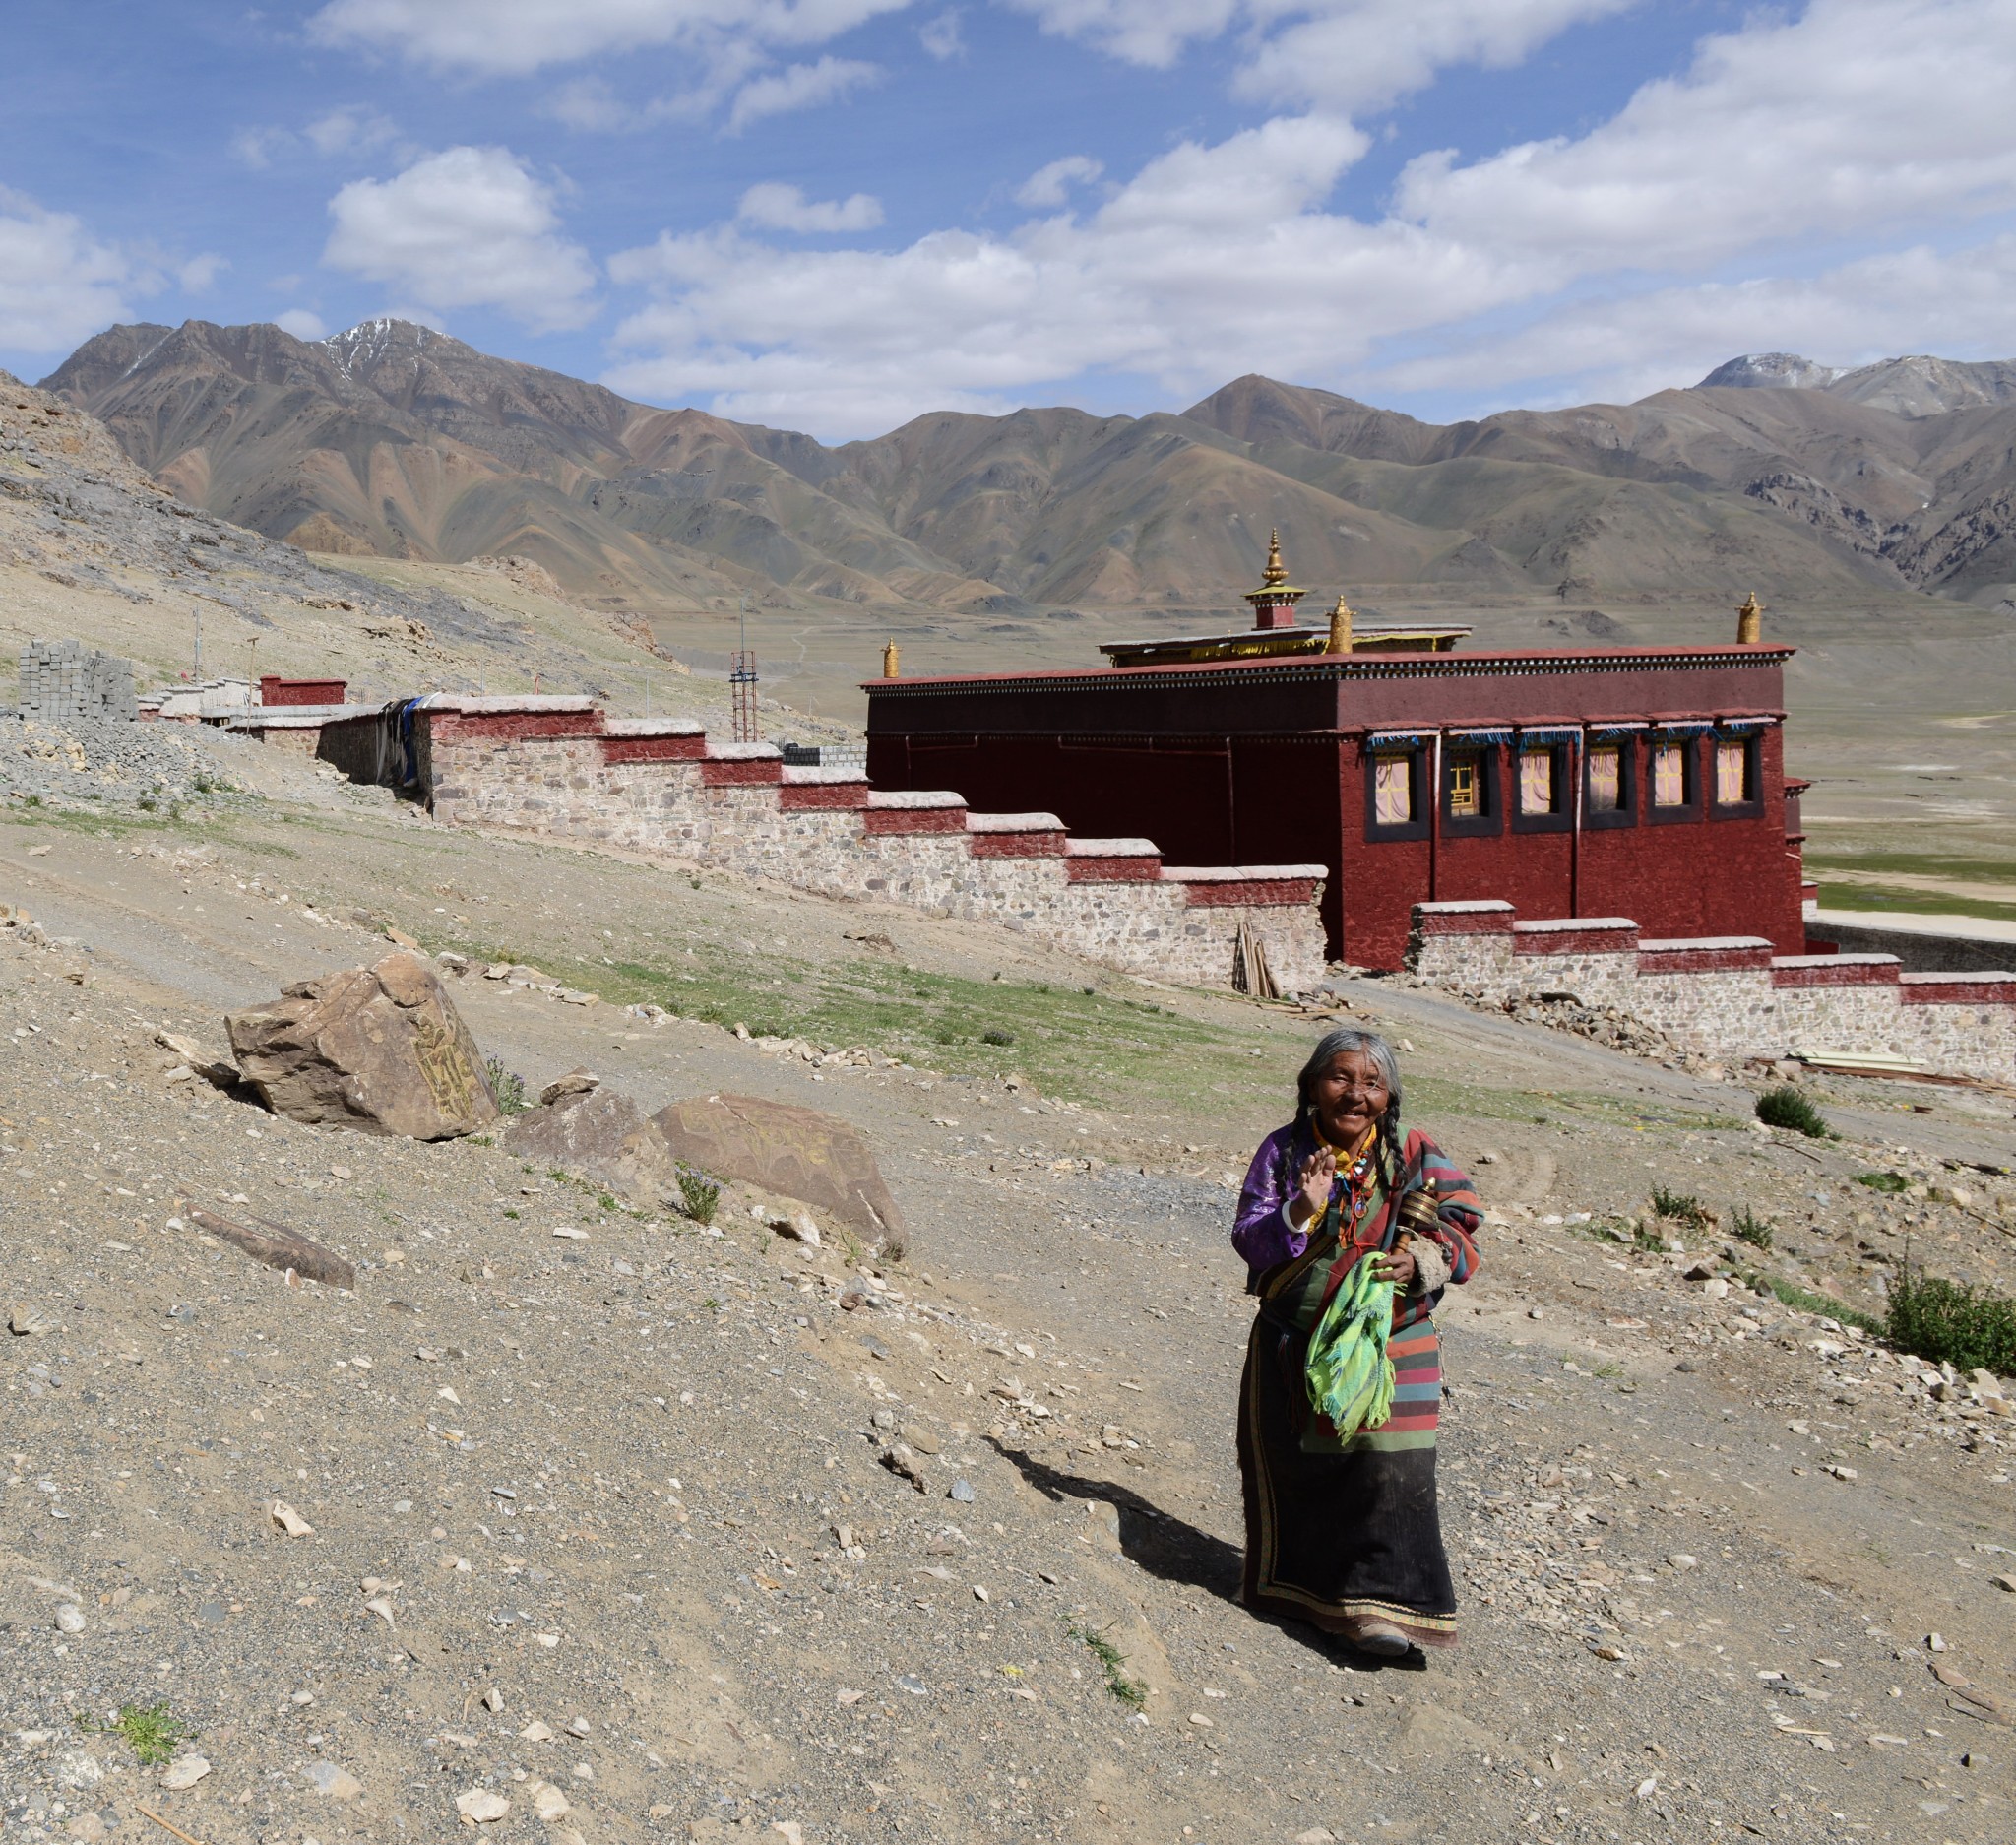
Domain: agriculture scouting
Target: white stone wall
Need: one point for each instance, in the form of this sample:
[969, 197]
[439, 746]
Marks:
[1731, 1011]
[563, 787]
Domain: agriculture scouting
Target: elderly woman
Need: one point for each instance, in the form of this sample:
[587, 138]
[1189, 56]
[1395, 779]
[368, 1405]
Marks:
[1342, 1531]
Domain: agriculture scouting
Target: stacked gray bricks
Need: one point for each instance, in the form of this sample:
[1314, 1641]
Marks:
[62, 680]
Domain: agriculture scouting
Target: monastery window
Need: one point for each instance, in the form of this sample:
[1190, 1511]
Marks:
[1471, 806]
[1610, 783]
[1670, 775]
[1738, 784]
[1397, 802]
[1392, 790]
[1674, 774]
[1539, 783]
[1606, 778]
[1733, 773]
[1540, 803]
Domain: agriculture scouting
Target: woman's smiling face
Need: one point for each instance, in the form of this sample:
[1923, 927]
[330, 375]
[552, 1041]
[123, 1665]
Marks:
[1349, 1097]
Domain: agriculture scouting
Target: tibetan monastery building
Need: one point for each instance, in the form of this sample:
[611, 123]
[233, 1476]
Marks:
[1632, 782]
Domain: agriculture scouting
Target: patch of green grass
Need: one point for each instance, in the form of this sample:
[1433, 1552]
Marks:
[1680, 1207]
[699, 1195]
[1745, 1226]
[1112, 1665]
[1784, 1107]
[1805, 1300]
[1953, 1322]
[1883, 1181]
[1881, 897]
[151, 1731]
[507, 1086]
[1605, 1369]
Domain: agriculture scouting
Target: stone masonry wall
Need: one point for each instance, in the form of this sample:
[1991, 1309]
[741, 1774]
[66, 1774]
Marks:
[561, 769]
[1727, 997]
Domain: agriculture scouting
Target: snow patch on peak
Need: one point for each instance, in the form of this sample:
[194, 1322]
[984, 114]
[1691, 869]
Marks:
[1771, 371]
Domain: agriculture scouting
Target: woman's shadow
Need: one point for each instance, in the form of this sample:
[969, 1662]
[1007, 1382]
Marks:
[1174, 1550]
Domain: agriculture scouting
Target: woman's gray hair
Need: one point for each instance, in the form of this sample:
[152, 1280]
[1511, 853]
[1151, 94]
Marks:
[1348, 1037]
[1372, 1046]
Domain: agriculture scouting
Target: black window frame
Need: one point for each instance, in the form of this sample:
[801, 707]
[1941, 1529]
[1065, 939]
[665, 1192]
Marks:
[1753, 777]
[1691, 808]
[1608, 819]
[1563, 818]
[1490, 821]
[1416, 753]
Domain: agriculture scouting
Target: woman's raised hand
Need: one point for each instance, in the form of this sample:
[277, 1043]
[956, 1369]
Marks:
[1319, 1174]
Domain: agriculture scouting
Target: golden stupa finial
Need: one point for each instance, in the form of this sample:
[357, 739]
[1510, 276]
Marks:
[1276, 572]
[1340, 628]
[1751, 621]
[889, 661]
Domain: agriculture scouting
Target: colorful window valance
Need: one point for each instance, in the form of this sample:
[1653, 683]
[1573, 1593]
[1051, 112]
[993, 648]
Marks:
[1541, 733]
[1397, 740]
[1481, 739]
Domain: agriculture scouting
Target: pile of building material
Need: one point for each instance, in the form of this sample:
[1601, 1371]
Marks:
[65, 680]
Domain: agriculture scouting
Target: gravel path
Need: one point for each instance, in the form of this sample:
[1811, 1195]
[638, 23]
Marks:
[598, 1518]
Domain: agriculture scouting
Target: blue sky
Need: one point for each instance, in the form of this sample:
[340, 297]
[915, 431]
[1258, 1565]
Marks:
[834, 215]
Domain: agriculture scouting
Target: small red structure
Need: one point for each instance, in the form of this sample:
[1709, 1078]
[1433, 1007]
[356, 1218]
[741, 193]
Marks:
[1639, 782]
[274, 690]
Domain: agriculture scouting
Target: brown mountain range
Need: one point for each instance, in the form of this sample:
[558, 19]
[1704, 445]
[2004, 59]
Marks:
[394, 440]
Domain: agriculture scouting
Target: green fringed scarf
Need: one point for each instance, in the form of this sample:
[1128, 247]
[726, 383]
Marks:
[1350, 1374]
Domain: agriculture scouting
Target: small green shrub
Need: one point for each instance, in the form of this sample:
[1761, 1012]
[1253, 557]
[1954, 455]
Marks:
[1647, 1240]
[1681, 1208]
[1745, 1226]
[151, 1730]
[507, 1086]
[997, 1037]
[1784, 1107]
[1883, 1181]
[699, 1195]
[1111, 1661]
[1953, 1322]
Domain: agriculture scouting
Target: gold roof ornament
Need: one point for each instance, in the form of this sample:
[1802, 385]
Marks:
[889, 661]
[1751, 621]
[1340, 628]
[1274, 602]
[1276, 573]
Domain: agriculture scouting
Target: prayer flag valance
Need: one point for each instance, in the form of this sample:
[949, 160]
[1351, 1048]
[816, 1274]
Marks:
[1687, 727]
[1615, 733]
[1499, 733]
[1396, 739]
[1550, 734]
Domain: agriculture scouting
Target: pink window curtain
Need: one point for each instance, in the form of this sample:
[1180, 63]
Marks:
[1732, 774]
[1606, 780]
[1393, 789]
[1537, 782]
[1669, 775]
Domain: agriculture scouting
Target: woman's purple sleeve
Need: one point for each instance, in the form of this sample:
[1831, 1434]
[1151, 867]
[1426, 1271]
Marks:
[1260, 1232]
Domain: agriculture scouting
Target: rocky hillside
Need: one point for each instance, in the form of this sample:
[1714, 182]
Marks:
[398, 442]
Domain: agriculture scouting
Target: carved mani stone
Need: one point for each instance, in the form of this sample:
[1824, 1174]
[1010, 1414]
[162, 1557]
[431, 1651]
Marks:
[381, 1049]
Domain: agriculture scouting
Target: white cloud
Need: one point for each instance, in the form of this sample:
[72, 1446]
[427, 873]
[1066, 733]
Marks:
[301, 324]
[800, 86]
[352, 129]
[467, 228]
[1621, 348]
[512, 37]
[58, 284]
[1154, 32]
[785, 208]
[1857, 115]
[1046, 189]
[1336, 54]
[199, 273]
[1361, 54]
[944, 36]
[256, 147]
[1832, 129]
[349, 130]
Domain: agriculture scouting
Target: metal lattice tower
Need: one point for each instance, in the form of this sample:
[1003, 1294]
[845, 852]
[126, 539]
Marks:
[742, 677]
